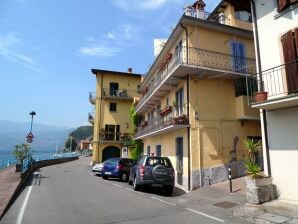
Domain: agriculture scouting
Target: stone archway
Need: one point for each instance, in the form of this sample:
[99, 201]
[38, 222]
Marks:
[110, 152]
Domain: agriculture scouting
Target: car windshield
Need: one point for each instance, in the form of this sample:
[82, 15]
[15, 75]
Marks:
[153, 161]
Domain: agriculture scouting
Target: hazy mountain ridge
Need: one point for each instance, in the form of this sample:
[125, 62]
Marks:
[46, 137]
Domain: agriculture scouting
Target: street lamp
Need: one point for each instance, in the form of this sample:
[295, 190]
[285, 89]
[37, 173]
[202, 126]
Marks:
[30, 136]
[32, 113]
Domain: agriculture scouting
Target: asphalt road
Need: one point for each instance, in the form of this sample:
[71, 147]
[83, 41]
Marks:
[69, 193]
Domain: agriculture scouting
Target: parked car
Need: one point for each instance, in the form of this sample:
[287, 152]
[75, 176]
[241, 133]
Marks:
[117, 167]
[153, 171]
[97, 168]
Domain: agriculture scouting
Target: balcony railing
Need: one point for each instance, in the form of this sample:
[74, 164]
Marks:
[200, 58]
[158, 123]
[277, 83]
[118, 93]
[113, 137]
[92, 97]
[199, 14]
[91, 117]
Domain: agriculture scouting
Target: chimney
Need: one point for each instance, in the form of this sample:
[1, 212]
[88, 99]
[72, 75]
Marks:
[129, 70]
[199, 7]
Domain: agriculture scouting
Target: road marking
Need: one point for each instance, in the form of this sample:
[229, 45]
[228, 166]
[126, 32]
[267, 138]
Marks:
[169, 203]
[22, 210]
[117, 185]
[133, 191]
[204, 214]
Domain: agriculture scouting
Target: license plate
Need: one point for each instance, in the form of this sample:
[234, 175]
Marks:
[157, 185]
[108, 173]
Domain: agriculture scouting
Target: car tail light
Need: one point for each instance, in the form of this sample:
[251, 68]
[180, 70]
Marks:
[142, 170]
[119, 166]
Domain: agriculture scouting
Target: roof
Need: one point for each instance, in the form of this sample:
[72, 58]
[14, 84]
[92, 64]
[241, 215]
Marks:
[95, 71]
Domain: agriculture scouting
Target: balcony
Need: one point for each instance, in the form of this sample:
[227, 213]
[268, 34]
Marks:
[114, 137]
[91, 117]
[199, 63]
[279, 87]
[121, 94]
[161, 125]
[92, 97]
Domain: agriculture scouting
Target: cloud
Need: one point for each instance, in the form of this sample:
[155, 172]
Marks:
[99, 50]
[7, 45]
[112, 42]
[135, 5]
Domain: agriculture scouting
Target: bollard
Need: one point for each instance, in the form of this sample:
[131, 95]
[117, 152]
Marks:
[230, 179]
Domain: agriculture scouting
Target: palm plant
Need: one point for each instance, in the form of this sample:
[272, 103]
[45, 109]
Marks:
[252, 146]
[252, 169]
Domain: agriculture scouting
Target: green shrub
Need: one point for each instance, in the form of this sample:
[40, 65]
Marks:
[252, 169]
[21, 152]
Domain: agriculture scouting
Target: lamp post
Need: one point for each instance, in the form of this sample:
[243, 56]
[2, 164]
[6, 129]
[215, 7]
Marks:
[30, 135]
[32, 113]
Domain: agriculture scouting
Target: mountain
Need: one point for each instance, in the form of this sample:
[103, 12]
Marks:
[46, 137]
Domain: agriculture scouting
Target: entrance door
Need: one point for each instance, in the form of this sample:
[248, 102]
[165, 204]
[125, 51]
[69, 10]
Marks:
[179, 160]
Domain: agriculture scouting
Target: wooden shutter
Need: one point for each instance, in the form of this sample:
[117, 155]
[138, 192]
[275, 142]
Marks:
[288, 45]
[281, 5]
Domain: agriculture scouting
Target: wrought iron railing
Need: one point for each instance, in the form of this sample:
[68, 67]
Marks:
[92, 97]
[7, 160]
[91, 116]
[118, 93]
[197, 57]
[278, 82]
[158, 123]
[113, 137]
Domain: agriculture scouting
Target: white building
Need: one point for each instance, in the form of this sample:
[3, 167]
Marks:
[276, 39]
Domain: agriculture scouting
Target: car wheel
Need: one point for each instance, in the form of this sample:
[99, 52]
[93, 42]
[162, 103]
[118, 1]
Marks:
[135, 185]
[169, 190]
[124, 177]
[105, 177]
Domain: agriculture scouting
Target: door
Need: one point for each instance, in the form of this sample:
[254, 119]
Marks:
[179, 160]
[238, 57]
[110, 152]
[114, 86]
[109, 132]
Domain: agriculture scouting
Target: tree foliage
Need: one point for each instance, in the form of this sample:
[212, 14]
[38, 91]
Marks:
[82, 132]
[135, 145]
[71, 142]
[21, 152]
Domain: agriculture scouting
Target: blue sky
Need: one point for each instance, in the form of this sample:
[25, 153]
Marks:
[48, 48]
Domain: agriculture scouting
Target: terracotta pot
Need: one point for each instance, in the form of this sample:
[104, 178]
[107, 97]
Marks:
[261, 96]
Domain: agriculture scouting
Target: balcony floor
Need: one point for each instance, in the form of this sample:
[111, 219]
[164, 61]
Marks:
[278, 103]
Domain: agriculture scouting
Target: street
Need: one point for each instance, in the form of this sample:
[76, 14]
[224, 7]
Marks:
[70, 193]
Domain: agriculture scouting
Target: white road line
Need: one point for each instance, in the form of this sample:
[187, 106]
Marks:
[169, 203]
[22, 210]
[133, 191]
[204, 214]
[117, 185]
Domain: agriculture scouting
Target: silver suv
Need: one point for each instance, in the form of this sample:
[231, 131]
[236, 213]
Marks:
[153, 171]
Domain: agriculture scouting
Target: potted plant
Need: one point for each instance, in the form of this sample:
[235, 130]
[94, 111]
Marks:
[259, 188]
[21, 152]
[261, 96]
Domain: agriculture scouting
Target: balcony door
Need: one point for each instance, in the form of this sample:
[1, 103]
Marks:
[238, 57]
[112, 132]
[114, 86]
[179, 102]
[290, 46]
[179, 160]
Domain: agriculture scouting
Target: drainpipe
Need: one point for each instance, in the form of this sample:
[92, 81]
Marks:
[188, 128]
[263, 114]
[186, 33]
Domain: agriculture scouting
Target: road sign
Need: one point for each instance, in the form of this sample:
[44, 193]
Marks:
[30, 137]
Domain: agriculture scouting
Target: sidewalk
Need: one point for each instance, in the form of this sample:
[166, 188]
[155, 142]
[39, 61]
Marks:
[9, 182]
[277, 211]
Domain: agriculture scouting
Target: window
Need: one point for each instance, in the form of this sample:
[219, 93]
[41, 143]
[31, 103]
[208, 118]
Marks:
[290, 44]
[148, 150]
[283, 4]
[241, 87]
[111, 133]
[113, 107]
[158, 150]
[238, 56]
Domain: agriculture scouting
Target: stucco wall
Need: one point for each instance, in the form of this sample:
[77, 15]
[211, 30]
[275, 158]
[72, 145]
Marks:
[283, 145]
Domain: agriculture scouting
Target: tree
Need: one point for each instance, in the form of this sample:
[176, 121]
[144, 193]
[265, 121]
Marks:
[21, 152]
[71, 142]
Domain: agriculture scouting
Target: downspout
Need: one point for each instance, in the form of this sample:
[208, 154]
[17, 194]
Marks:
[263, 114]
[188, 128]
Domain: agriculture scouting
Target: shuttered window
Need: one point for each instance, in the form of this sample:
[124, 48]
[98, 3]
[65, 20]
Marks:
[283, 4]
[289, 45]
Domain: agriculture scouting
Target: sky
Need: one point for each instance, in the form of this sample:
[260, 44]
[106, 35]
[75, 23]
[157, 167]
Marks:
[48, 48]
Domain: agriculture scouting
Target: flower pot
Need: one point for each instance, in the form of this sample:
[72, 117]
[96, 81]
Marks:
[261, 96]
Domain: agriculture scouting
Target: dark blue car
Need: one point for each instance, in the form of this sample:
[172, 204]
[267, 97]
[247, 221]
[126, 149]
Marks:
[117, 168]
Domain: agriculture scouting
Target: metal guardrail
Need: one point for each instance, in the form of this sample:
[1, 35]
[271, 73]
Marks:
[278, 82]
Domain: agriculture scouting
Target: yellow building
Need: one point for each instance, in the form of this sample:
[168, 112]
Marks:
[113, 98]
[194, 105]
